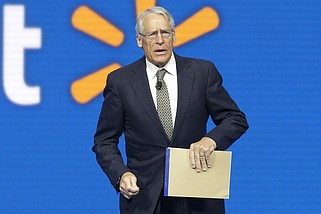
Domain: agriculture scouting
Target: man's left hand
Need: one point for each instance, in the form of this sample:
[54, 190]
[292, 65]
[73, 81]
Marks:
[200, 154]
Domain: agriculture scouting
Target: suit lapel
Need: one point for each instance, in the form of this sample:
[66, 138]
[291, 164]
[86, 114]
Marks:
[140, 84]
[186, 79]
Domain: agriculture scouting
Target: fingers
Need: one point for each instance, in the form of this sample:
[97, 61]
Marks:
[197, 158]
[192, 156]
[200, 154]
[128, 185]
[203, 160]
[208, 158]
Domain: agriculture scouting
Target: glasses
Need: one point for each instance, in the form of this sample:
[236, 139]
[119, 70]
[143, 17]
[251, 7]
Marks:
[153, 35]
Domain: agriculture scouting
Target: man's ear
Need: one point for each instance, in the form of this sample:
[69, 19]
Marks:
[139, 41]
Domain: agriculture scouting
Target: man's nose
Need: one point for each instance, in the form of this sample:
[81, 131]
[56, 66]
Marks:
[159, 38]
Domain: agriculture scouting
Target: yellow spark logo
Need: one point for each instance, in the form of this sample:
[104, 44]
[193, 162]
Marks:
[89, 22]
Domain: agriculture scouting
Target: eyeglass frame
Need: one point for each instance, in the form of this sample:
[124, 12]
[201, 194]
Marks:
[156, 33]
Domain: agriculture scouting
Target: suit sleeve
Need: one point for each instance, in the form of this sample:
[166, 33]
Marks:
[109, 130]
[230, 122]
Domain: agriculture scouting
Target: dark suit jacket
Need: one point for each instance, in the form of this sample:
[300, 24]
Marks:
[129, 108]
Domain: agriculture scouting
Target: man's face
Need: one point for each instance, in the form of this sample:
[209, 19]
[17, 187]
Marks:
[158, 50]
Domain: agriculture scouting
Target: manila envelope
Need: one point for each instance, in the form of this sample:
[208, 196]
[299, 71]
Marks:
[181, 180]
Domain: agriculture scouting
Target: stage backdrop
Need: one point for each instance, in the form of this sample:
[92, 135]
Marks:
[55, 56]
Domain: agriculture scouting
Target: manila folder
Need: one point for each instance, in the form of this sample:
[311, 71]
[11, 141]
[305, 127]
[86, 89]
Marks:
[181, 180]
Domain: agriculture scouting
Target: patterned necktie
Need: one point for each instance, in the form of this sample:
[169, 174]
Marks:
[163, 103]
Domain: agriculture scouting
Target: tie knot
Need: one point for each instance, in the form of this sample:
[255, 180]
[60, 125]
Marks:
[160, 74]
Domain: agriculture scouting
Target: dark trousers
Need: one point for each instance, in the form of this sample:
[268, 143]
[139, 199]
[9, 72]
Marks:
[178, 205]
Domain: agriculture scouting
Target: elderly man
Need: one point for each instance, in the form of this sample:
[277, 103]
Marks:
[158, 101]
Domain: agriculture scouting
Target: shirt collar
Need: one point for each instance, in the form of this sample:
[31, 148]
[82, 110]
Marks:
[170, 67]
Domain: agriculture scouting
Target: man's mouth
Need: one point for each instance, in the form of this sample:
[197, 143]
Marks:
[160, 51]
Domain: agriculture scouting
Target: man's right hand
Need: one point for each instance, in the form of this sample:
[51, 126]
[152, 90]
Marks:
[128, 185]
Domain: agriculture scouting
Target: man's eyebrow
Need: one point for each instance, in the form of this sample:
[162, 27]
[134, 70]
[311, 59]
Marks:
[166, 29]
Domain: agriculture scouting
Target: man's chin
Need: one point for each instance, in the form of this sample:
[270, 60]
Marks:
[161, 61]
[160, 64]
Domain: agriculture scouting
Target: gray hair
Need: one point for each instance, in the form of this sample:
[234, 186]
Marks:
[155, 10]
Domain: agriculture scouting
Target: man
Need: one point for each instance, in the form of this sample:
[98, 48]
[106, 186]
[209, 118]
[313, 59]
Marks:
[134, 104]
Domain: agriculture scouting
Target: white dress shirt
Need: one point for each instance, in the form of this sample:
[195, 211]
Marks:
[170, 79]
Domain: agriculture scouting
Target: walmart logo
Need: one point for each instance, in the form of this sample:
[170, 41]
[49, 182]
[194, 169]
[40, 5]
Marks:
[89, 22]
[17, 38]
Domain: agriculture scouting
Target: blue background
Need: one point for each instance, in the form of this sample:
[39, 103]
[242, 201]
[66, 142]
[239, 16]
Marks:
[269, 53]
